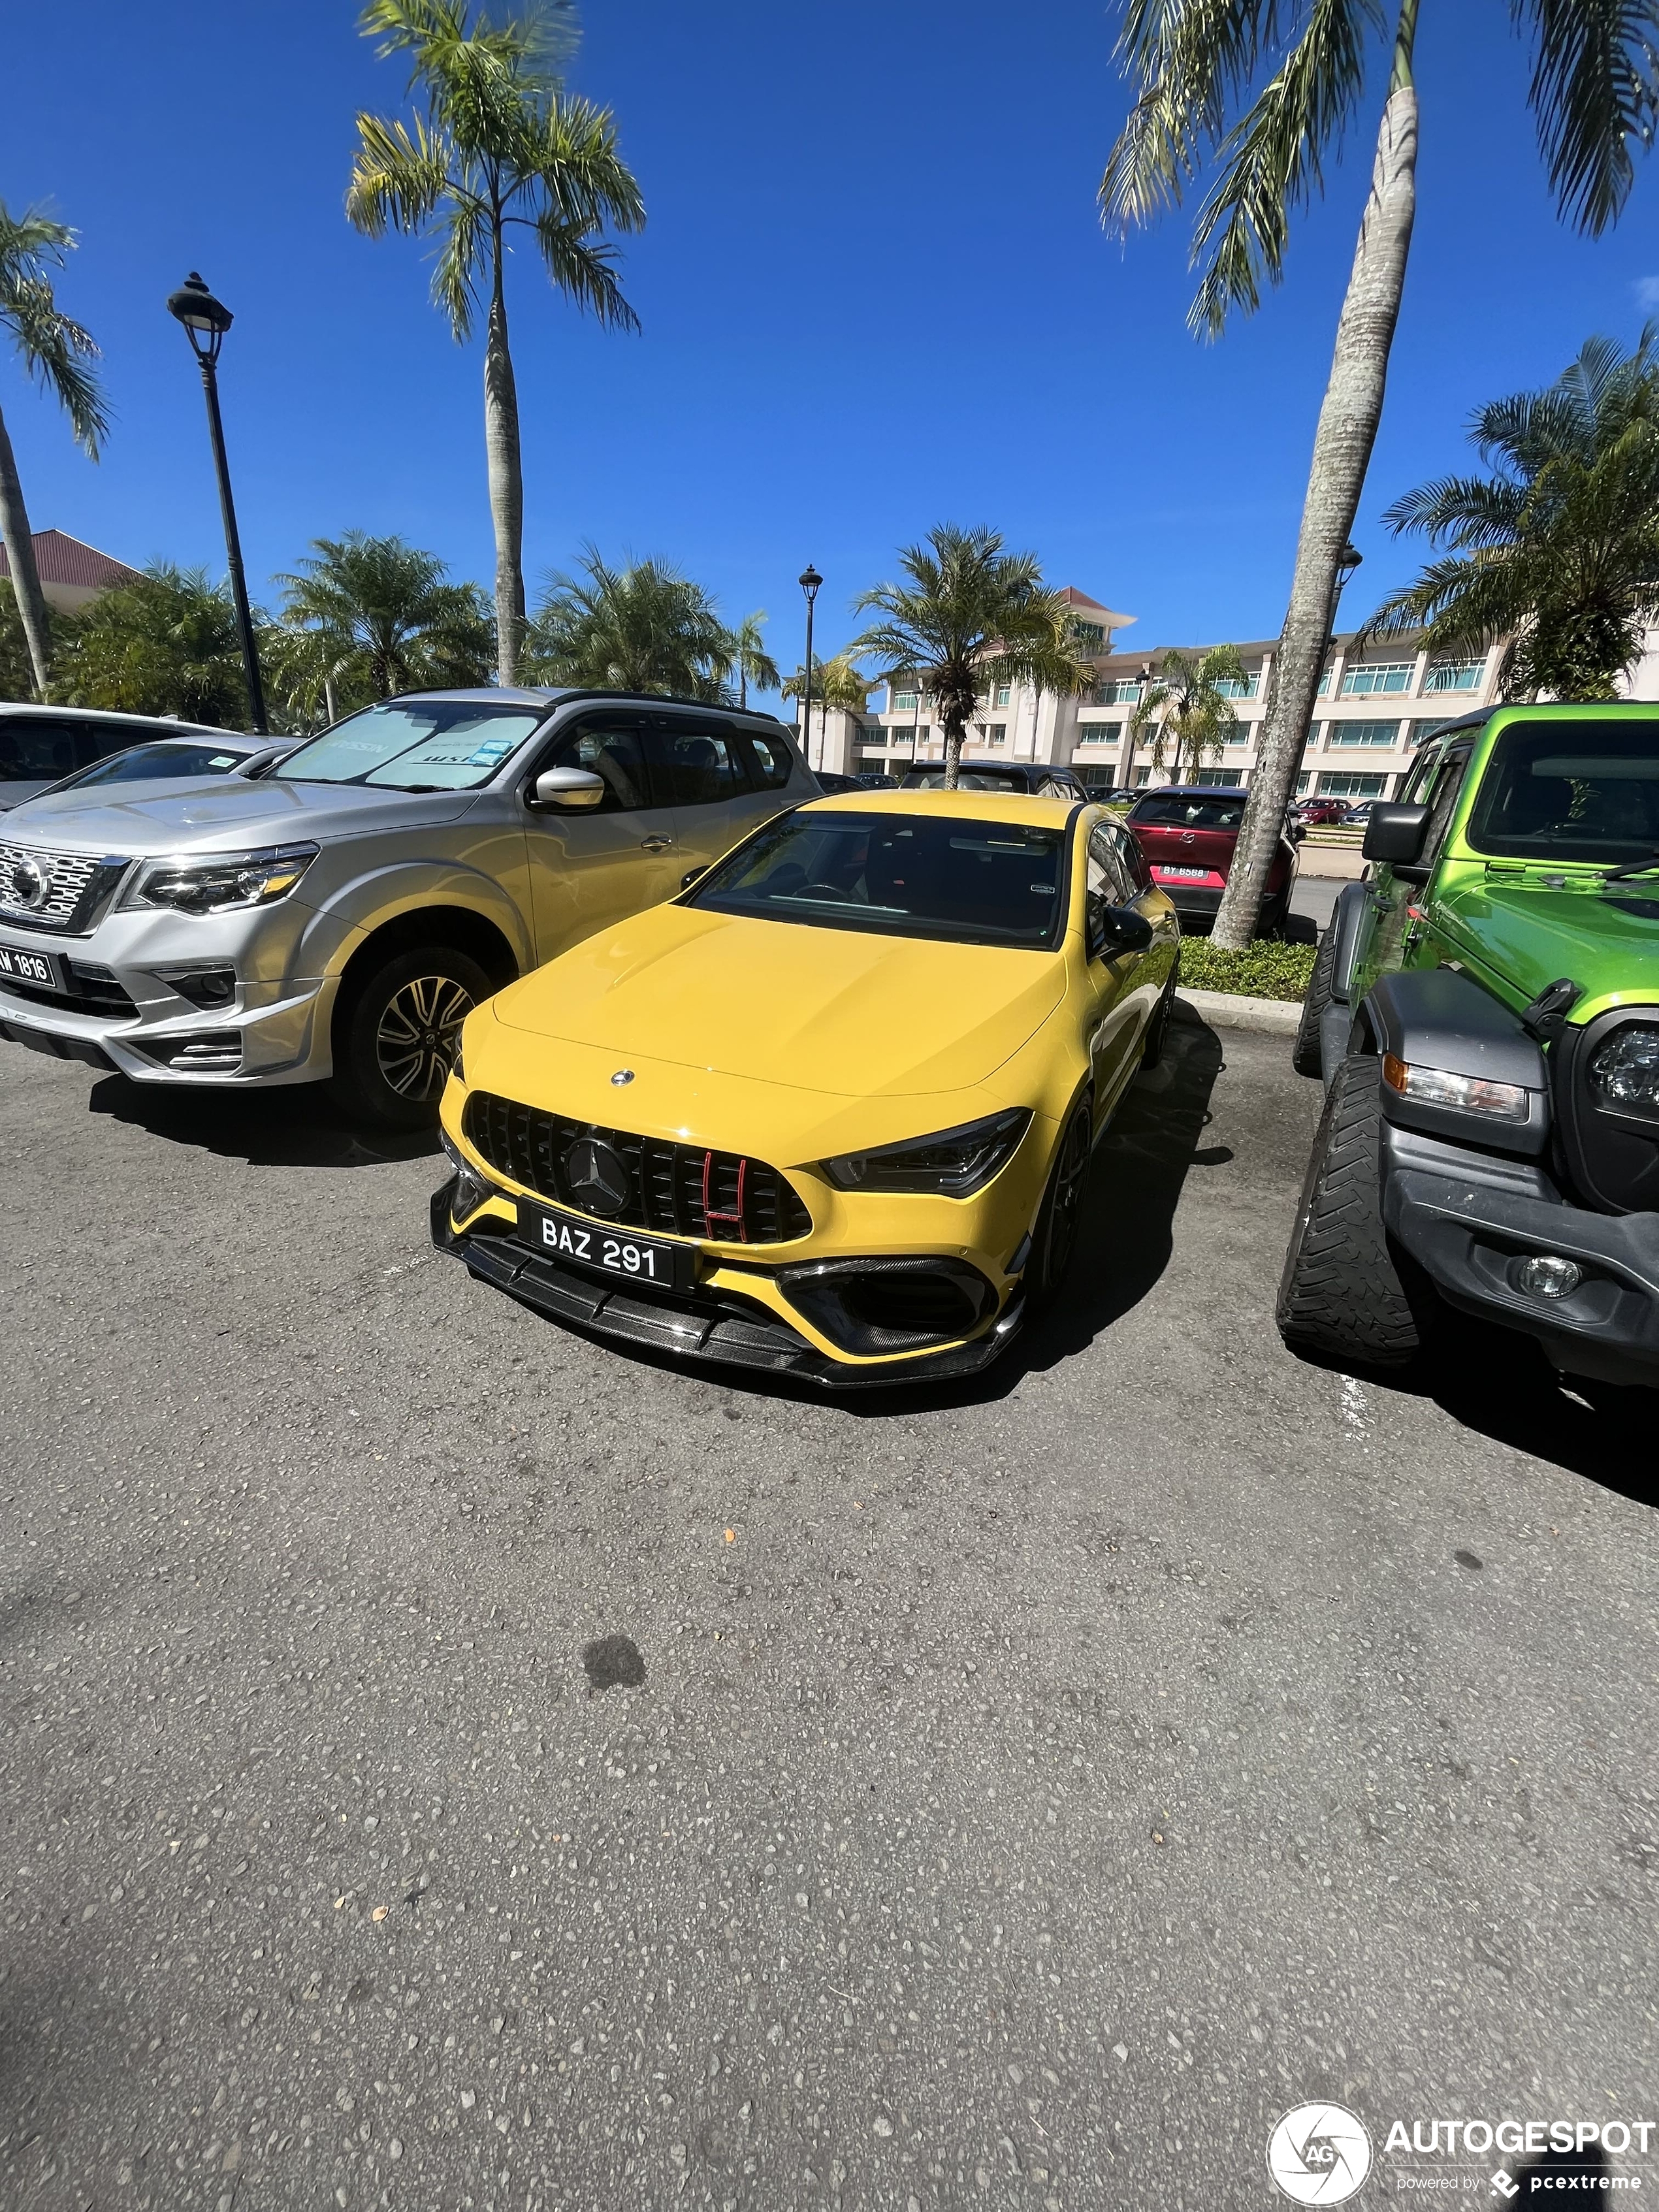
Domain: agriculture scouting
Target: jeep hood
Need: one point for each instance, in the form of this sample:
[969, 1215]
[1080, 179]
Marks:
[844, 1012]
[1529, 935]
[197, 815]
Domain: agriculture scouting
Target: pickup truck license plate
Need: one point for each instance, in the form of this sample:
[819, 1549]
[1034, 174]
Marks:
[30, 967]
[621, 1254]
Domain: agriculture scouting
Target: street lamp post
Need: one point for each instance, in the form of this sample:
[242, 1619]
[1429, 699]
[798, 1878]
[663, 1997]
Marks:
[809, 580]
[205, 321]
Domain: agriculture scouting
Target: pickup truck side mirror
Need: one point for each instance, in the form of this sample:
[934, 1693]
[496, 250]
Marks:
[567, 786]
[1113, 930]
[1395, 834]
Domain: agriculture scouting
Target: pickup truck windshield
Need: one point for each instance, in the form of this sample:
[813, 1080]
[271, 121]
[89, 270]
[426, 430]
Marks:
[1570, 791]
[899, 875]
[415, 744]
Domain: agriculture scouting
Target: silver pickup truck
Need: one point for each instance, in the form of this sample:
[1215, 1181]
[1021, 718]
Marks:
[339, 916]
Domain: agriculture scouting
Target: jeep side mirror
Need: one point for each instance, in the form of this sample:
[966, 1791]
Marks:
[1114, 930]
[1395, 834]
[569, 787]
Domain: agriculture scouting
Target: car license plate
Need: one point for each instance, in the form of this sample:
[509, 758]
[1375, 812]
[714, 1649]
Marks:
[1183, 875]
[30, 967]
[615, 1252]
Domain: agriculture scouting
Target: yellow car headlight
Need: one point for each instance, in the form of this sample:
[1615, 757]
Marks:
[951, 1163]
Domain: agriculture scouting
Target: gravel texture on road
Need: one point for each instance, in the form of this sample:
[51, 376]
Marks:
[448, 1764]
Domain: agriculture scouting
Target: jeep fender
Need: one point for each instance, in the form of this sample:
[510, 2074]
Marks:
[1437, 1018]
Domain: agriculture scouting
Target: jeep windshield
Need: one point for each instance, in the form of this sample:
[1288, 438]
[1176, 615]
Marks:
[415, 744]
[1570, 792]
[899, 875]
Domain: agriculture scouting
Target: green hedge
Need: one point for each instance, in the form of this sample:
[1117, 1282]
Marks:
[1267, 970]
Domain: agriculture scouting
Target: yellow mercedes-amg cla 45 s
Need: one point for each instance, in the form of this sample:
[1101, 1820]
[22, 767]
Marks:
[829, 1113]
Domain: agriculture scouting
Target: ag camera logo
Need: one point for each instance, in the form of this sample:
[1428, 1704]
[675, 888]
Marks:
[1319, 2154]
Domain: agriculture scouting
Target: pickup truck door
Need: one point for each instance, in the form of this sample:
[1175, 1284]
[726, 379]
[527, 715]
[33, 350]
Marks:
[594, 866]
[701, 765]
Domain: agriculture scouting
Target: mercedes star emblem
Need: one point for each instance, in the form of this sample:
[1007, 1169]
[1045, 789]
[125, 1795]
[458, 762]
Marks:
[600, 1180]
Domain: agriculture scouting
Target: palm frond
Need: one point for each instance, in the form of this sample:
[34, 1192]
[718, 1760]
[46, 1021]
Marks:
[56, 351]
[460, 257]
[1595, 93]
[583, 270]
[1187, 58]
[400, 175]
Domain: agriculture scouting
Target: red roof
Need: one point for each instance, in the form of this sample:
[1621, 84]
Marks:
[1073, 598]
[62, 559]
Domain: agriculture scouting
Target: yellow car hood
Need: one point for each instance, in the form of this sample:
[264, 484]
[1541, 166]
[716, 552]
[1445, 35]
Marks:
[843, 1011]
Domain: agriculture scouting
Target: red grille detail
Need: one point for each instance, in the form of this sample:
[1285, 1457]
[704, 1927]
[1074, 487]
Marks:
[712, 1213]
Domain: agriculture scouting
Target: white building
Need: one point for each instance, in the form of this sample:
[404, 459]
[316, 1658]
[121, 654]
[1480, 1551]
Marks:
[1374, 707]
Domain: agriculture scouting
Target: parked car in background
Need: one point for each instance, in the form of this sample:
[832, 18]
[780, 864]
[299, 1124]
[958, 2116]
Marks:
[173, 760]
[873, 780]
[1188, 833]
[1485, 1012]
[40, 746]
[1320, 813]
[830, 783]
[1359, 815]
[342, 917]
[1041, 779]
[829, 1114]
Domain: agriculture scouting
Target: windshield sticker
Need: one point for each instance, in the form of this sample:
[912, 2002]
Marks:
[492, 750]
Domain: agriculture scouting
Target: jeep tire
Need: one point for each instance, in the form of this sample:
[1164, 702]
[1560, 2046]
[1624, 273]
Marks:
[397, 1028]
[1341, 1297]
[1305, 1056]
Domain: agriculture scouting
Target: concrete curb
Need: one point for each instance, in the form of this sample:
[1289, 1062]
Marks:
[1228, 1009]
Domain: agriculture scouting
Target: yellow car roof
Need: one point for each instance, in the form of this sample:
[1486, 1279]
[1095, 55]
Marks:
[969, 805]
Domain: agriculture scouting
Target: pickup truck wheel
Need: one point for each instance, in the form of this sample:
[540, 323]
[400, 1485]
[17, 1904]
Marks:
[1341, 1297]
[1305, 1052]
[396, 1033]
[1055, 1236]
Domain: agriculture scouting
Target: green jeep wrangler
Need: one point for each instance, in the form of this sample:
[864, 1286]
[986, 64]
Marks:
[1485, 1013]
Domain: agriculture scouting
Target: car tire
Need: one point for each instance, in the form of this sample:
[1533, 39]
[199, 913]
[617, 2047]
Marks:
[1305, 1055]
[1342, 1298]
[1274, 917]
[1158, 1030]
[396, 1031]
[1054, 1241]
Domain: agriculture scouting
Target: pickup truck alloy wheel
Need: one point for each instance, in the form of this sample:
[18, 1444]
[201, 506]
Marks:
[396, 1031]
[418, 1031]
[1341, 1297]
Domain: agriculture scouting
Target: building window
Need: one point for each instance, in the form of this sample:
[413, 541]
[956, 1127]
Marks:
[1099, 733]
[904, 702]
[1247, 686]
[1241, 733]
[1314, 729]
[1422, 731]
[1118, 691]
[1142, 775]
[1230, 778]
[1325, 684]
[998, 734]
[1002, 695]
[1362, 733]
[1304, 785]
[1453, 676]
[1352, 787]
[1372, 676]
[1090, 637]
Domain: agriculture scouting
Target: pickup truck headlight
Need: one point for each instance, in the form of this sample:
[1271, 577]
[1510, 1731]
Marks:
[953, 1163]
[215, 883]
[1439, 1086]
[1624, 1071]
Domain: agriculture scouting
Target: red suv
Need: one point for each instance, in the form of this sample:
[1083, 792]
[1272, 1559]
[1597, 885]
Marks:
[1320, 813]
[1187, 836]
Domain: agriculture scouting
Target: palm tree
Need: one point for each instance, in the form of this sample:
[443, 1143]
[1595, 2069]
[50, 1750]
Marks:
[58, 353]
[167, 645]
[367, 616]
[1194, 64]
[836, 684]
[1185, 707]
[642, 627]
[970, 615]
[752, 662]
[1559, 550]
[501, 147]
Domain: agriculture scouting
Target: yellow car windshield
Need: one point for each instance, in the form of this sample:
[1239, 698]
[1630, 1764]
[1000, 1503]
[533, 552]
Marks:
[899, 875]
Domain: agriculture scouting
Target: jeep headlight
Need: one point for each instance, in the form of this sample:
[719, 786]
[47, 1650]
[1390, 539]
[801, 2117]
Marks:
[215, 883]
[1624, 1071]
[951, 1163]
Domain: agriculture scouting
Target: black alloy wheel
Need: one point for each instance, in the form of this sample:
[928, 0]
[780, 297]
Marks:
[1055, 1239]
[397, 1032]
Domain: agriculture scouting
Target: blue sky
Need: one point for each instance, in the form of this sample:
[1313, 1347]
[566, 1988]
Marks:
[874, 292]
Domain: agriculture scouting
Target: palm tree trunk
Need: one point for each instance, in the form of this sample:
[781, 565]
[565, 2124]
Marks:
[19, 559]
[952, 755]
[1342, 450]
[506, 481]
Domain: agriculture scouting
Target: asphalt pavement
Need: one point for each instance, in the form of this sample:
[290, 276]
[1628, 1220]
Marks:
[448, 1764]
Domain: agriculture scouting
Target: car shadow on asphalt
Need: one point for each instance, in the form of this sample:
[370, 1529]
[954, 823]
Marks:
[298, 1127]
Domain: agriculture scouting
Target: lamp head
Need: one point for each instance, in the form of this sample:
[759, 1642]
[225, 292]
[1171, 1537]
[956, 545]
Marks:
[205, 320]
[810, 581]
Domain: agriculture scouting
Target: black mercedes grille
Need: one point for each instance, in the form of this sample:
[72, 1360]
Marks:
[677, 1190]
